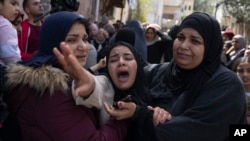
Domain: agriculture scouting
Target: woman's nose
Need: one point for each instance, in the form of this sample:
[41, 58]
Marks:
[83, 45]
[121, 61]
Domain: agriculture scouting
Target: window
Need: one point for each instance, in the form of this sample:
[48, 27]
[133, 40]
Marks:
[168, 16]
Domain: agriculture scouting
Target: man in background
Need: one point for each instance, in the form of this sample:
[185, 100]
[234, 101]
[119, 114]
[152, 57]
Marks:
[28, 39]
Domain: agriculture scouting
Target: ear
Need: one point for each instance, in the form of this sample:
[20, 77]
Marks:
[26, 10]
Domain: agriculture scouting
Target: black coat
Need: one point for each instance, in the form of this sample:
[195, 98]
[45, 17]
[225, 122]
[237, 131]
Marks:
[209, 116]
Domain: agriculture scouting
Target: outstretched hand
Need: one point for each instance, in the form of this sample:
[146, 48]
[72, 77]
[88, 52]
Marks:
[83, 79]
[126, 110]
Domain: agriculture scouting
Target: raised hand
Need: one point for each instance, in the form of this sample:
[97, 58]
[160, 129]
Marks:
[83, 79]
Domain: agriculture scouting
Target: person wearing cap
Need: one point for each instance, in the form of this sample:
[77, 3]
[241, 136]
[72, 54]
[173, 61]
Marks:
[227, 35]
[194, 87]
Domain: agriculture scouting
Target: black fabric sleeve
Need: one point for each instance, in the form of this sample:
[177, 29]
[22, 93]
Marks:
[218, 106]
[142, 127]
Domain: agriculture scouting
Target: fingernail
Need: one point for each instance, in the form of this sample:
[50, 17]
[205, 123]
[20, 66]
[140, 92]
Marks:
[119, 104]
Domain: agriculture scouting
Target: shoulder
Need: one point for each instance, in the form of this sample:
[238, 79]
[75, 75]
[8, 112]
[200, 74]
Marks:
[157, 68]
[155, 72]
[224, 85]
[40, 79]
[8, 34]
[5, 25]
[225, 75]
[4, 22]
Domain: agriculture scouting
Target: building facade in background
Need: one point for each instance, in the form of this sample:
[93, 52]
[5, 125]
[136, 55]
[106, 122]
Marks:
[174, 11]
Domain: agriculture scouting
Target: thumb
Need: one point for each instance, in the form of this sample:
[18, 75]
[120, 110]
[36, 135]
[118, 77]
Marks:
[150, 108]
[81, 91]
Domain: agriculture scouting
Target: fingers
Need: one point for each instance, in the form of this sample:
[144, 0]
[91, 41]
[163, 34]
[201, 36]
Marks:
[108, 108]
[150, 108]
[112, 111]
[126, 105]
[163, 117]
[84, 88]
[59, 57]
[84, 81]
[160, 115]
[68, 55]
[65, 49]
[126, 110]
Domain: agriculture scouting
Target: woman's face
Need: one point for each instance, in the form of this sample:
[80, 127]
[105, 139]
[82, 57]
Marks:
[9, 9]
[93, 30]
[77, 39]
[100, 36]
[122, 67]
[247, 51]
[150, 34]
[235, 43]
[188, 49]
[243, 71]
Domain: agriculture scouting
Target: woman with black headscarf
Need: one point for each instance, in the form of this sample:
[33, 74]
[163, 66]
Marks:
[126, 75]
[203, 97]
[40, 96]
[197, 90]
[125, 71]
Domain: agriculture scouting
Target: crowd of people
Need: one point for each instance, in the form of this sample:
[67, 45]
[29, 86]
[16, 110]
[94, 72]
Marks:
[67, 77]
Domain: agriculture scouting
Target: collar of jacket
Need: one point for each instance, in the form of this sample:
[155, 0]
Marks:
[44, 78]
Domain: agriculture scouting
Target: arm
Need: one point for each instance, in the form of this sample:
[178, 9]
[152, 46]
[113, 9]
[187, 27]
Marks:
[141, 128]
[66, 121]
[101, 64]
[87, 87]
[103, 91]
[220, 104]
[164, 37]
[210, 115]
[9, 53]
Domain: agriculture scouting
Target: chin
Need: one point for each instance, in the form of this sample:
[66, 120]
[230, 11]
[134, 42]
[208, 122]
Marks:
[123, 88]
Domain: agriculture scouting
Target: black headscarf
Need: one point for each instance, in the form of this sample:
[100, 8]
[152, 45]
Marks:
[138, 91]
[191, 81]
[140, 41]
[126, 35]
[53, 31]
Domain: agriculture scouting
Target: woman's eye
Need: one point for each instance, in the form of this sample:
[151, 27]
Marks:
[240, 71]
[196, 42]
[181, 38]
[70, 40]
[248, 70]
[85, 40]
[113, 60]
[129, 58]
